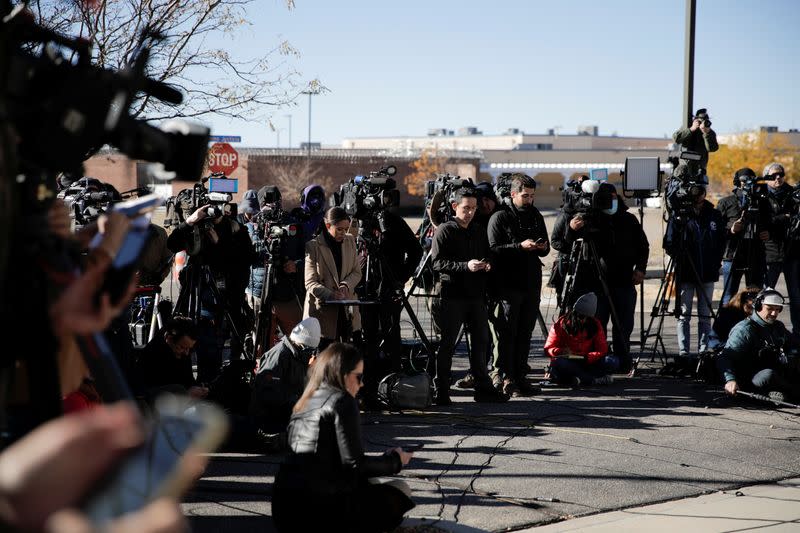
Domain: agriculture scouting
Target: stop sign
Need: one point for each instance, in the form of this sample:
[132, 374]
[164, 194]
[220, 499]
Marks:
[222, 158]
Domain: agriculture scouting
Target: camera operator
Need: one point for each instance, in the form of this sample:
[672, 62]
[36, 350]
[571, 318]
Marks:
[792, 259]
[754, 357]
[694, 240]
[518, 240]
[744, 250]
[286, 290]
[625, 267]
[591, 225]
[778, 196]
[460, 252]
[224, 253]
[312, 204]
[699, 138]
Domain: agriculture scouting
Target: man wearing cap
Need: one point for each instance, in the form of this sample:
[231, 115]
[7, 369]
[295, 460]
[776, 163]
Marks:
[779, 199]
[280, 376]
[698, 137]
[577, 347]
[518, 240]
[753, 358]
[745, 234]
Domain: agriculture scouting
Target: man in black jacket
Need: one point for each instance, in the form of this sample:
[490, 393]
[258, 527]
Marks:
[518, 240]
[624, 267]
[220, 255]
[460, 254]
[778, 196]
[747, 221]
[165, 364]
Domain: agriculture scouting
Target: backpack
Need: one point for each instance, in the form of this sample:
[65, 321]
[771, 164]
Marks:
[402, 390]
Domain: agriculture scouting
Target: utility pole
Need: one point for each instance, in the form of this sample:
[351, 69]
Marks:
[290, 129]
[688, 62]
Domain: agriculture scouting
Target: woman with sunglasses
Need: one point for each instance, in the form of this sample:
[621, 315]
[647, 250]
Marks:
[326, 483]
[737, 309]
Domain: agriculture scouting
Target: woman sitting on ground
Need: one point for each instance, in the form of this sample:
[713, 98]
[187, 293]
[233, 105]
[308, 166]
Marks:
[737, 309]
[577, 347]
[324, 484]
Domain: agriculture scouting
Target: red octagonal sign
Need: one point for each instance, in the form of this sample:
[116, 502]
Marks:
[222, 157]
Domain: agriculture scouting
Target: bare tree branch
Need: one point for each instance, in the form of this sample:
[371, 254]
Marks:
[215, 80]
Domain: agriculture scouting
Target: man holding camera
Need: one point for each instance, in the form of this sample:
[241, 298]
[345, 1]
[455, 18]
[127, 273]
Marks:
[746, 216]
[460, 253]
[753, 358]
[699, 138]
[518, 240]
[218, 268]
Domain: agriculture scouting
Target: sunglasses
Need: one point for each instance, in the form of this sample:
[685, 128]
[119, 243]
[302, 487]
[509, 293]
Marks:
[776, 175]
[360, 378]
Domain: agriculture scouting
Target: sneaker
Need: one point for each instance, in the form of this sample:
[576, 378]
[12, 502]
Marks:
[526, 389]
[603, 380]
[777, 396]
[497, 381]
[489, 395]
[509, 387]
[467, 382]
[443, 399]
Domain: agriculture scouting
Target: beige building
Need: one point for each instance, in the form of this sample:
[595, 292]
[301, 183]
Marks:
[550, 158]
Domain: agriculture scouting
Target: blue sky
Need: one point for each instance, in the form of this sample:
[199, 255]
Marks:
[400, 68]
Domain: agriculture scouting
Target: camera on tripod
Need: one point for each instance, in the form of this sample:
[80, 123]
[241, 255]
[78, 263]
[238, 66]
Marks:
[87, 199]
[443, 187]
[586, 198]
[687, 184]
[364, 196]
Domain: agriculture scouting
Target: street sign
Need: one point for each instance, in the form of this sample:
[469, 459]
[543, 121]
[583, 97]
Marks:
[222, 157]
[225, 139]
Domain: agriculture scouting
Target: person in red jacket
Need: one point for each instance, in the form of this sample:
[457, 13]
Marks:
[577, 347]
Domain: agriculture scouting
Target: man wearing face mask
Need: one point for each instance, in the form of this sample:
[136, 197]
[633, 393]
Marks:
[625, 267]
[518, 240]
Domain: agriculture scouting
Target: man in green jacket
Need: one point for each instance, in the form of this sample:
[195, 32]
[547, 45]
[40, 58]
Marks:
[698, 137]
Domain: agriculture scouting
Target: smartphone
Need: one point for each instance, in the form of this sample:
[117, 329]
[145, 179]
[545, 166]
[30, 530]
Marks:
[178, 425]
[138, 206]
[126, 262]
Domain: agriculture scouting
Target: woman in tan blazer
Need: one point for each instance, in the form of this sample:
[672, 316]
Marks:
[332, 271]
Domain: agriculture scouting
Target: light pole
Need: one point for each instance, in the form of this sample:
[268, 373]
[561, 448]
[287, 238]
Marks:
[290, 129]
[310, 94]
[278, 131]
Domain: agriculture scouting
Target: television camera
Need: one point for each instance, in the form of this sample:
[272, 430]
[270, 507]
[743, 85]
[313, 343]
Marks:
[88, 198]
[687, 184]
[586, 197]
[64, 108]
[363, 197]
[216, 197]
[438, 193]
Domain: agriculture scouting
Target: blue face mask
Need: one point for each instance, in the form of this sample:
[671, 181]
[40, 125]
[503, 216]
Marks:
[614, 204]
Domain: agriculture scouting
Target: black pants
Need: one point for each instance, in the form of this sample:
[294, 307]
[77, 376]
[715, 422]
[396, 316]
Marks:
[515, 319]
[472, 313]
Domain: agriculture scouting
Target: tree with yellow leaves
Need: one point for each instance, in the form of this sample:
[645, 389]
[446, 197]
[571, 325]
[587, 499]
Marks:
[755, 150]
[425, 168]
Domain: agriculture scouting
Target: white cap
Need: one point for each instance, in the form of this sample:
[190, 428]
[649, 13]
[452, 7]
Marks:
[770, 296]
[307, 333]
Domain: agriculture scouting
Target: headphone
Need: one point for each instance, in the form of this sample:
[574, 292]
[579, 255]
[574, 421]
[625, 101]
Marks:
[758, 302]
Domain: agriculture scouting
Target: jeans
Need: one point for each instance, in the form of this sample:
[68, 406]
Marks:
[515, 318]
[624, 300]
[563, 370]
[473, 314]
[791, 272]
[686, 295]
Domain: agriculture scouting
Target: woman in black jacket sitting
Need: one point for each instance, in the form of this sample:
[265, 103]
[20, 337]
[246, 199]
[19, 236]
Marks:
[324, 484]
[737, 309]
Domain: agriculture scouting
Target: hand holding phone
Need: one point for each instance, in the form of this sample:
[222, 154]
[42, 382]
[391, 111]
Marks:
[158, 468]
